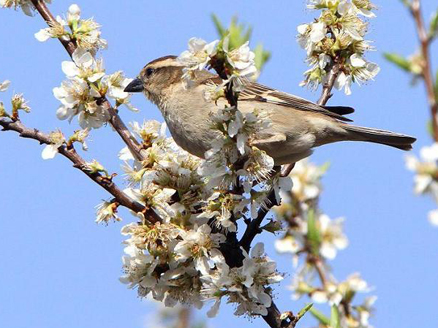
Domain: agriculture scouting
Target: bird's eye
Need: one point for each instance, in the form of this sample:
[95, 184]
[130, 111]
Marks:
[149, 71]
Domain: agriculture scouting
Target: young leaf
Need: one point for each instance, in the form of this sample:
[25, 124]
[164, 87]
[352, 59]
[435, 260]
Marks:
[433, 28]
[429, 128]
[261, 56]
[322, 318]
[399, 61]
[335, 321]
[407, 3]
[221, 30]
[313, 234]
[324, 167]
[238, 35]
[303, 311]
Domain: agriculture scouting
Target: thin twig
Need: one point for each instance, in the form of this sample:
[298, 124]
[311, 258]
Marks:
[115, 120]
[79, 163]
[426, 73]
[317, 263]
[184, 315]
[328, 85]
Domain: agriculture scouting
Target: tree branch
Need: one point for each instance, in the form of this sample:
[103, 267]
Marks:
[79, 163]
[115, 120]
[426, 73]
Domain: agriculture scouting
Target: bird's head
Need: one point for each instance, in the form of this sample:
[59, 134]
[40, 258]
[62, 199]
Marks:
[156, 77]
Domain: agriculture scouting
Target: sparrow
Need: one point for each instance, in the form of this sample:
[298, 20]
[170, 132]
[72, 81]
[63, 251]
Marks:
[296, 125]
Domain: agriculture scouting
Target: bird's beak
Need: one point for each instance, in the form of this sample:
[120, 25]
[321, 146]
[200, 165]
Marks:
[136, 85]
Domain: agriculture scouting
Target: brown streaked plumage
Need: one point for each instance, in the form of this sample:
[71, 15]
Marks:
[297, 125]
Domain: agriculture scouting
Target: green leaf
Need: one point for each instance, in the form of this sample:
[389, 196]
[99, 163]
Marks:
[433, 27]
[261, 56]
[313, 234]
[239, 34]
[322, 318]
[324, 167]
[221, 30]
[407, 3]
[303, 311]
[399, 61]
[429, 128]
[335, 321]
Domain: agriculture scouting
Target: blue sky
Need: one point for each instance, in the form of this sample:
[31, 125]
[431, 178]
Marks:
[58, 268]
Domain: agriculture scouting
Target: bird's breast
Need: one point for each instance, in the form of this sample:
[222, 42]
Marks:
[190, 129]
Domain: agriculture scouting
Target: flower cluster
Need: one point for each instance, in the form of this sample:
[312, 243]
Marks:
[337, 37]
[84, 32]
[25, 5]
[181, 259]
[426, 175]
[313, 237]
[340, 295]
[236, 64]
[331, 237]
[86, 85]
[175, 265]
[245, 285]
[233, 144]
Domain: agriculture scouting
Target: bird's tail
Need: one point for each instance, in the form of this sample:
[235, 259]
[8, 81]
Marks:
[384, 137]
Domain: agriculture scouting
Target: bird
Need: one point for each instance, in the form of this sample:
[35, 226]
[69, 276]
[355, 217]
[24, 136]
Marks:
[296, 126]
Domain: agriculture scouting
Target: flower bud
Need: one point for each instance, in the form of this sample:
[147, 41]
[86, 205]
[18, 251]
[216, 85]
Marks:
[74, 13]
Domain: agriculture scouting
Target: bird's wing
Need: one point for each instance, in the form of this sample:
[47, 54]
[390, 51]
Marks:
[257, 92]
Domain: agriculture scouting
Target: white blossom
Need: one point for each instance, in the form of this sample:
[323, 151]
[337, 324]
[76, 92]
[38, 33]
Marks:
[79, 98]
[74, 13]
[4, 85]
[83, 66]
[332, 236]
[241, 59]
[344, 81]
[25, 5]
[364, 312]
[306, 178]
[85, 32]
[433, 217]
[19, 103]
[106, 211]
[223, 207]
[281, 184]
[57, 140]
[197, 57]
[334, 293]
[426, 170]
[362, 7]
[58, 30]
[244, 285]
[337, 35]
[116, 84]
[197, 244]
